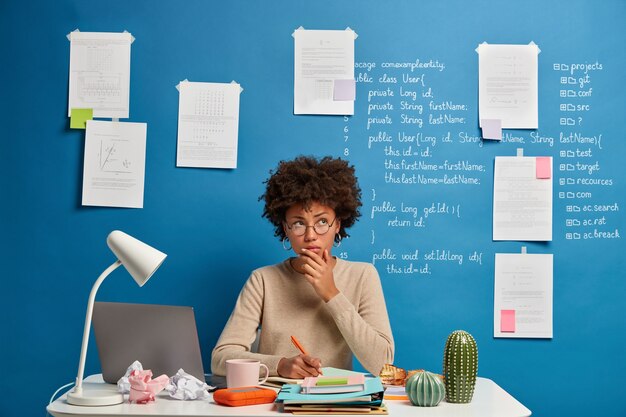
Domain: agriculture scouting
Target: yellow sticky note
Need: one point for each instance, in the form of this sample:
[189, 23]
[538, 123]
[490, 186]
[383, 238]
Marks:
[79, 118]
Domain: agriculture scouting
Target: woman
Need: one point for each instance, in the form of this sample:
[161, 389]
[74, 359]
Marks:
[335, 308]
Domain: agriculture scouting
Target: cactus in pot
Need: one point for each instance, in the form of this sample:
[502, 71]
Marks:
[460, 366]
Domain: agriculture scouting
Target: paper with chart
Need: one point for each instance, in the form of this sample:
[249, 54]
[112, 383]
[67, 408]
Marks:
[100, 73]
[321, 57]
[507, 84]
[115, 159]
[522, 203]
[208, 123]
[523, 295]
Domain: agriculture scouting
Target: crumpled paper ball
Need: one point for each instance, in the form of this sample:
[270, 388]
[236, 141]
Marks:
[143, 388]
[184, 386]
[123, 385]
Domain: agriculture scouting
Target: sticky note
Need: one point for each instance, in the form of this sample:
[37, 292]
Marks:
[331, 381]
[344, 90]
[492, 128]
[79, 117]
[507, 321]
[543, 167]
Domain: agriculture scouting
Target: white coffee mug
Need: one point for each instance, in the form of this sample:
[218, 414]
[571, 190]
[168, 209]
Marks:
[244, 373]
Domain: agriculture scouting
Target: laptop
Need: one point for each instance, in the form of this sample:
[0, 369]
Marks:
[163, 338]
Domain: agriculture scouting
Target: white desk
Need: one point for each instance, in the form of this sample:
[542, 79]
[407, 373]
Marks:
[489, 401]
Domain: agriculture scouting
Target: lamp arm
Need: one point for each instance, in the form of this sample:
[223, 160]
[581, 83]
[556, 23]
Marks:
[83, 350]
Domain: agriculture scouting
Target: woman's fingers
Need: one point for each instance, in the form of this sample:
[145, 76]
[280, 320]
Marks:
[300, 366]
[315, 363]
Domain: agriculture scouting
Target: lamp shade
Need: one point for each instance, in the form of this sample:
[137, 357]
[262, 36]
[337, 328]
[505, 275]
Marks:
[139, 259]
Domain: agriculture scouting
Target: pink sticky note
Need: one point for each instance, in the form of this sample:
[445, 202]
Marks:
[143, 388]
[544, 170]
[492, 128]
[507, 321]
[344, 90]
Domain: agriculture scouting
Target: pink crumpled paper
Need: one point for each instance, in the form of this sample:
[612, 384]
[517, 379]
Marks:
[143, 388]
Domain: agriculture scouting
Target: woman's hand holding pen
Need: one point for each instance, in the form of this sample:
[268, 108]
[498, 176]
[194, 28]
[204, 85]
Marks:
[299, 366]
[318, 271]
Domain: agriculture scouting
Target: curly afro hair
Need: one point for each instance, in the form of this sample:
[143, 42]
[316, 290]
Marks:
[305, 180]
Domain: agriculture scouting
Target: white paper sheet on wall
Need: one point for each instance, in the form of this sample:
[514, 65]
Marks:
[507, 84]
[115, 159]
[522, 203]
[321, 57]
[100, 73]
[208, 123]
[523, 295]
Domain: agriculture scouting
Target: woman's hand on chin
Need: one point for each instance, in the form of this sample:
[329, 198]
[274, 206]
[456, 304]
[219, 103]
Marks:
[318, 270]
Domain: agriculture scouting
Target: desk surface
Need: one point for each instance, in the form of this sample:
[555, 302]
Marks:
[489, 400]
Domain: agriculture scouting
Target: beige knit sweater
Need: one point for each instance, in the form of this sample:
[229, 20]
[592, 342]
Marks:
[283, 303]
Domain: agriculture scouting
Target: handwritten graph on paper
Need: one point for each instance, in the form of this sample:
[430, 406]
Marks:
[112, 159]
[100, 73]
[100, 89]
[115, 161]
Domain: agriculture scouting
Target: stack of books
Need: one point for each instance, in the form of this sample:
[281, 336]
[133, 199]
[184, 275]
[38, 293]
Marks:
[350, 393]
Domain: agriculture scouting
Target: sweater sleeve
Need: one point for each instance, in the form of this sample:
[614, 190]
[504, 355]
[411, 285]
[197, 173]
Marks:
[241, 330]
[366, 330]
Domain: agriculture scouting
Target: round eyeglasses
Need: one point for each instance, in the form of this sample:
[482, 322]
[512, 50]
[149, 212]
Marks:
[298, 228]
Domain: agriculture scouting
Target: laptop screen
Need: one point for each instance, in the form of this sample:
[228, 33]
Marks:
[163, 338]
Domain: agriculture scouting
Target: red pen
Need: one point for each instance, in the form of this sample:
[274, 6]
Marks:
[298, 345]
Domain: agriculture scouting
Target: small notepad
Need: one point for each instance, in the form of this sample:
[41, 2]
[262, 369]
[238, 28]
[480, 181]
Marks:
[333, 384]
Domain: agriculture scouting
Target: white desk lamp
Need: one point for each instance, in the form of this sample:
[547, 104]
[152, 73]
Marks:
[140, 261]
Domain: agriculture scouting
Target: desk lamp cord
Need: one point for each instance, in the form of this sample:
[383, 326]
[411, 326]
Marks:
[56, 392]
[72, 383]
[207, 377]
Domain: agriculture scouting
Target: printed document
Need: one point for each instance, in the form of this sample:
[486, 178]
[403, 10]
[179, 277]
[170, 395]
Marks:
[522, 203]
[321, 57]
[507, 84]
[523, 289]
[115, 159]
[208, 123]
[100, 73]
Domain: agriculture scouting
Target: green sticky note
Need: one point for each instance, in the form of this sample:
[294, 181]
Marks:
[79, 117]
[331, 381]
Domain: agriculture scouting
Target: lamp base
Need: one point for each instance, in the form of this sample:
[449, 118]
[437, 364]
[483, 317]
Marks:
[95, 394]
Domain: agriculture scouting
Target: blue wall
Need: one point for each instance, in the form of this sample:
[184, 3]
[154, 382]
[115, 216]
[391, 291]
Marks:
[208, 221]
